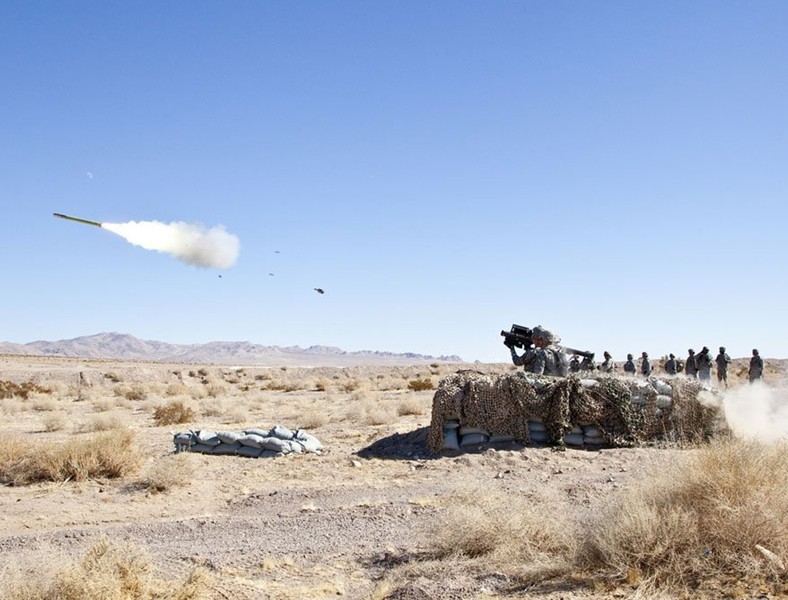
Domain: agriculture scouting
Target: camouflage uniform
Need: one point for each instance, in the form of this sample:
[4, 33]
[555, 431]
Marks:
[756, 366]
[546, 360]
[645, 365]
[722, 360]
[607, 365]
[690, 366]
[703, 364]
[587, 364]
[629, 366]
[574, 364]
[670, 365]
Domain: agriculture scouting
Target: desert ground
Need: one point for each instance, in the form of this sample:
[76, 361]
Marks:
[370, 517]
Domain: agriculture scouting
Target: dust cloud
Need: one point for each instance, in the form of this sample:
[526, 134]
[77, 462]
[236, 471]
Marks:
[758, 411]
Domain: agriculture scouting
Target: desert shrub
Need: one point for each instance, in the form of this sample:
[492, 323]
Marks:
[214, 390]
[212, 407]
[175, 411]
[169, 472]
[11, 406]
[113, 377]
[375, 413]
[111, 455]
[202, 372]
[262, 377]
[702, 520]
[283, 387]
[104, 404]
[55, 421]
[106, 571]
[103, 422]
[350, 386]
[410, 405]
[313, 419]
[176, 388]
[504, 529]
[9, 389]
[419, 385]
[42, 403]
[322, 385]
[134, 391]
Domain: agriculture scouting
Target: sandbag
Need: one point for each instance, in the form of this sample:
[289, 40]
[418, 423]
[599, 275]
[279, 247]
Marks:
[472, 430]
[573, 439]
[260, 432]
[536, 426]
[592, 431]
[275, 444]
[450, 440]
[251, 441]
[207, 437]
[223, 449]
[662, 387]
[594, 441]
[229, 437]
[451, 424]
[283, 433]
[248, 451]
[308, 441]
[500, 439]
[184, 439]
[295, 446]
[589, 383]
[201, 448]
[473, 439]
[539, 437]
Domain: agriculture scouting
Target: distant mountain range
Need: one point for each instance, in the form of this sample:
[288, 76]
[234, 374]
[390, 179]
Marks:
[120, 346]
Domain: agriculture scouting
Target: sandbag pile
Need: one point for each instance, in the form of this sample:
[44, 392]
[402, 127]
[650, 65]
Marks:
[470, 408]
[253, 443]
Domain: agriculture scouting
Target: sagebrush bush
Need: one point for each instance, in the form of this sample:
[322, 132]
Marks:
[111, 455]
[699, 520]
[169, 472]
[175, 411]
[410, 405]
[419, 385]
[107, 571]
[9, 389]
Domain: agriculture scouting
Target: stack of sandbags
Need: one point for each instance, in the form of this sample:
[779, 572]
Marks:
[471, 409]
[254, 443]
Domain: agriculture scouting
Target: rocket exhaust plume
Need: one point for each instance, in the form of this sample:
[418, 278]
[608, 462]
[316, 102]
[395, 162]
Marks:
[190, 243]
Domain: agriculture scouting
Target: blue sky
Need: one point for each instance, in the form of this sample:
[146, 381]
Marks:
[616, 171]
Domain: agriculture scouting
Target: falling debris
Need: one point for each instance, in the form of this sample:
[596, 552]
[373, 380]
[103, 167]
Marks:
[276, 251]
[190, 243]
[320, 290]
[270, 274]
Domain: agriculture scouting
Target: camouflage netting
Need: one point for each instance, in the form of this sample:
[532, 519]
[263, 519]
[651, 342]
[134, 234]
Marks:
[596, 410]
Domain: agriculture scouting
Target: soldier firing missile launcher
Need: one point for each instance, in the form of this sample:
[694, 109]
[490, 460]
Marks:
[77, 219]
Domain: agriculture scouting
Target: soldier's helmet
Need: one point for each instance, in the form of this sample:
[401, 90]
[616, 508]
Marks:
[671, 356]
[645, 355]
[722, 349]
[691, 351]
[629, 357]
[705, 349]
[545, 334]
[607, 354]
[754, 352]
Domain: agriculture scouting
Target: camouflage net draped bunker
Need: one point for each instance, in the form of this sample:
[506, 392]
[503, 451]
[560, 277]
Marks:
[470, 408]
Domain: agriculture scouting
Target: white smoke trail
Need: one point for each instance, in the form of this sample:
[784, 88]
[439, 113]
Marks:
[758, 411]
[191, 243]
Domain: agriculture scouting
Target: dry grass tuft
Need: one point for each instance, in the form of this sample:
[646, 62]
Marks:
[169, 472]
[104, 422]
[420, 385]
[56, 421]
[111, 455]
[107, 571]
[410, 405]
[313, 419]
[9, 389]
[175, 411]
[700, 521]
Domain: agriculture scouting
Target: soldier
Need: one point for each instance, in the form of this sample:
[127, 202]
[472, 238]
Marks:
[574, 364]
[629, 366]
[670, 365]
[607, 365]
[703, 364]
[690, 367]
[545, 358]
[587, 364]
[645, 364]
[756, 366]
[722, 360]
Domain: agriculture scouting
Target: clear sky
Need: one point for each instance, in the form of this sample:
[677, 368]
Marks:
[616, 171]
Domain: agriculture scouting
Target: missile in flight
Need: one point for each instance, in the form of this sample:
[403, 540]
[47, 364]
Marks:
[77, 219]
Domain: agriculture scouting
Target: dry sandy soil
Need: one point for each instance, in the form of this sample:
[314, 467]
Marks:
[308, 526]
